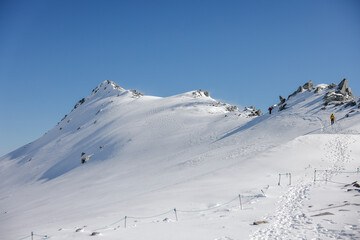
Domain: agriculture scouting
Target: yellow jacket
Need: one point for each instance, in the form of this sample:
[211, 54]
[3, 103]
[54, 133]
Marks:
[332, 116]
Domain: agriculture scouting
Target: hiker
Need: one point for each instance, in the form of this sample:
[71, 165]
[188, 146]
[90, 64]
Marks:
[270, 108]
[332, 118]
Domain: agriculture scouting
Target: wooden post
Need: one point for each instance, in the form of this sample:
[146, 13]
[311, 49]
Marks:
[326, 176]
[175, 214]
[315, 175]
[125, 221]
[279, 179]
[289, 178]
[32, 235]
[240, 202]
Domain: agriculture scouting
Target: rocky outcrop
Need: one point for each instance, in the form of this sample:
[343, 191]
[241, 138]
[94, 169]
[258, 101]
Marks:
[282, 107]
[331, 86]
[136, 93]
[231, 108]
[201, 93]
[343, 85]
[253, 112]
[340, 95]
[307, 86]
[282, 100]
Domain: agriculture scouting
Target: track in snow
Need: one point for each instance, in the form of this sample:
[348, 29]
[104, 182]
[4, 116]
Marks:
[289, 220]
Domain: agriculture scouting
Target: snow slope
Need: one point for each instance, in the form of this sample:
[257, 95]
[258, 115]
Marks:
[145, 156]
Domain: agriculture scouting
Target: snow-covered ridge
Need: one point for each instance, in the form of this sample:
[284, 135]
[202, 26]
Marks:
[123, 153]
[324, 95]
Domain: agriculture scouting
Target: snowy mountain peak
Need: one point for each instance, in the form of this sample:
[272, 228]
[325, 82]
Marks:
[120, 153]
[105, 85]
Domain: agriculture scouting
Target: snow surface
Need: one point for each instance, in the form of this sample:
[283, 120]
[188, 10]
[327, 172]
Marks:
[147, 156]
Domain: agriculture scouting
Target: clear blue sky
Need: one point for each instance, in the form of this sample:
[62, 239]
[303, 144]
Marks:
[54, 52]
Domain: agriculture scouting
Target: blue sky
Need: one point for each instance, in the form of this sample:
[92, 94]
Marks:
[53, 53]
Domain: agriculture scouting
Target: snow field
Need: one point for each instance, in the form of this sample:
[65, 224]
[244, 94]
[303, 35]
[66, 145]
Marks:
[150, 155]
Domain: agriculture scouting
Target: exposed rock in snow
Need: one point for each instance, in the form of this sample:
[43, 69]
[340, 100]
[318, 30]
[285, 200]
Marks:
[136, 93]
[309, 85]
[331, 86]
[343, 85]
[282, 107]
[253, 111]
[259, 222]
[282, 100]
[201, 93]
[340, 95]
[232, 108]
[299, 90]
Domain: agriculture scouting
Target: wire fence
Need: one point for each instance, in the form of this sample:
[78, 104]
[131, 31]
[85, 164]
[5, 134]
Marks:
[327, 174]
[32, 235]
[240, 198]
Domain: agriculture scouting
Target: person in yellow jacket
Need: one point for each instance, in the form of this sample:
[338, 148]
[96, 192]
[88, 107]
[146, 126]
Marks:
[332, 118]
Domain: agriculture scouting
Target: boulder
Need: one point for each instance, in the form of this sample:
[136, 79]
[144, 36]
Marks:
[318, 89]
[331, 86]
[232, 108]
[282, 107]
[258, 113]
[340, 95]
[136, 93]
[349, 92]
[332, 96]
[350, 104]
[343, 85]
[309, 85]
[299, 90]
[254, 112]
[259, 222]
[282, 100]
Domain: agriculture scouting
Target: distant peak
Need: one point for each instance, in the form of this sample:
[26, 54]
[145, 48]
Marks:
[105, 84]
[200, 93]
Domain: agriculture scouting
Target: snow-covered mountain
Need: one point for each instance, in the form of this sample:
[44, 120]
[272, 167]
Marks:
[121, 153]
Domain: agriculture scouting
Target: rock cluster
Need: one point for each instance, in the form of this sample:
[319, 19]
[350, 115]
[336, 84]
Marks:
[307, 86]
[340, 95]
[253, 112]
[282, 100]
[200, 93]
[136, 93]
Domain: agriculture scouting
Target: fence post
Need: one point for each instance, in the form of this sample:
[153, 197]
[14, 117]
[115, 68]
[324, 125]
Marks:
[358, 170]
[289, 178]
[240, 202]
[326, 176]
[315, 175]
[279, 179]
[175, 214]
[125, 221]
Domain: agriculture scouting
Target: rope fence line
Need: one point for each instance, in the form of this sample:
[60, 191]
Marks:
[328, 172]
[175, 210]
[34, 234]
[288, 175]
[239, 197]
